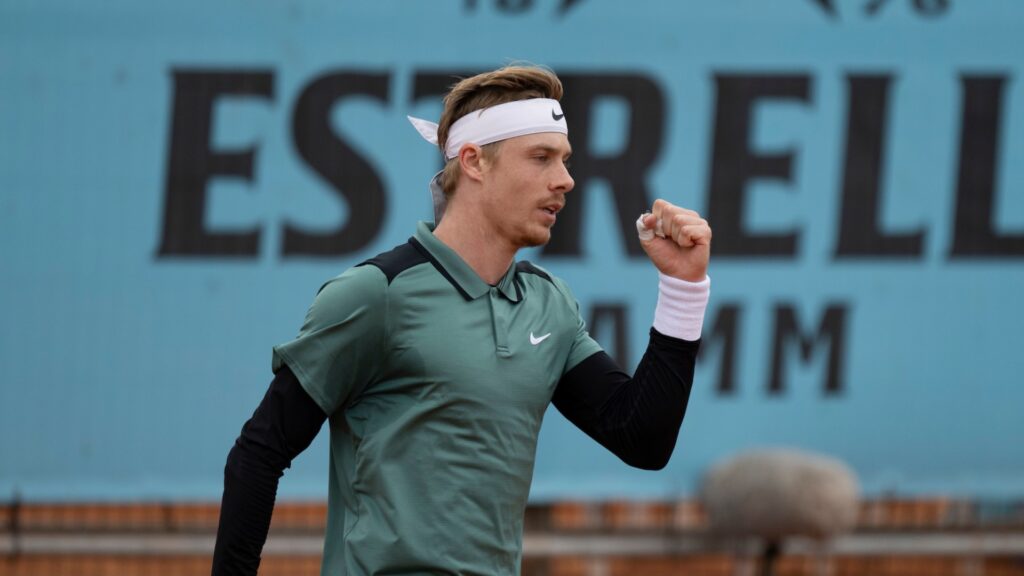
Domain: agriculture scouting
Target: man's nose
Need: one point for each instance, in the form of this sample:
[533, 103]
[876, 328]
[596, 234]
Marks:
[564, 181]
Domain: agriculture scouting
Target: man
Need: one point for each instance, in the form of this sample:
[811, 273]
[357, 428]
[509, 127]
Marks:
[436, 361]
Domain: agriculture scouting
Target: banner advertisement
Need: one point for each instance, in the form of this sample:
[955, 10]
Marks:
[178, 179]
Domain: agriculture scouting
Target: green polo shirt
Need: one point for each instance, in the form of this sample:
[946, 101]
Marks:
[435, 384]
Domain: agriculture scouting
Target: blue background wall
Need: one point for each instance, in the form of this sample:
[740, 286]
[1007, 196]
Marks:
[129, 369]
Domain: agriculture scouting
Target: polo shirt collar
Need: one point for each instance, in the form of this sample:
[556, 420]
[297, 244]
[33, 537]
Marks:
[455, 269]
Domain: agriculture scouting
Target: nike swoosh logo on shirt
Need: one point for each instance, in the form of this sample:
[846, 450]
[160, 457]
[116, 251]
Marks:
[535, 341]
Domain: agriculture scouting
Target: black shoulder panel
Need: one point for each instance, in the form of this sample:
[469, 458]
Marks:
[525, 267]
[396, 261]
[428, 257]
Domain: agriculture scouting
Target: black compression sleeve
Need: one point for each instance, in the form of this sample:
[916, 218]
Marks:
[283, 425]
[636, 418]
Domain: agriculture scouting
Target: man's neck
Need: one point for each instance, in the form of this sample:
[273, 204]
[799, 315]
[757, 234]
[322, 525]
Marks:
[486, 253]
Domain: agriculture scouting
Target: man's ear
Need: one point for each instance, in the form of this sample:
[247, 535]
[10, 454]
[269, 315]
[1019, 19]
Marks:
[471, 161]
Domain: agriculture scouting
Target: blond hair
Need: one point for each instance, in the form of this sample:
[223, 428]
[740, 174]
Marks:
[506, 84]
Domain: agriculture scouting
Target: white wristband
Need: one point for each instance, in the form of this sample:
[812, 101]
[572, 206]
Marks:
[681, 304]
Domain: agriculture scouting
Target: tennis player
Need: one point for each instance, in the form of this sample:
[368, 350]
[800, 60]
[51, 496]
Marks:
[435, 362]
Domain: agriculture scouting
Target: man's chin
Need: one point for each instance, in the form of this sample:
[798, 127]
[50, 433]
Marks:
[538, 238]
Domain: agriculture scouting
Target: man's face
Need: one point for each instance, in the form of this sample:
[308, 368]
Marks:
[525, 185]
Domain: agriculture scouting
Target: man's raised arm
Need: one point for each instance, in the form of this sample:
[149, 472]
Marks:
[638, 418]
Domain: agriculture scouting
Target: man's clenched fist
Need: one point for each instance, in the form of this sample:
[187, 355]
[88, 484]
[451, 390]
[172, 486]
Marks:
[682, 246]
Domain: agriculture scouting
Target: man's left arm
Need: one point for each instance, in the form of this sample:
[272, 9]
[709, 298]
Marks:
[638, 418]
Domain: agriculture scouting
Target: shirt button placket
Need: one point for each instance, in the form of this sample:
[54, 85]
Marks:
[499, 323]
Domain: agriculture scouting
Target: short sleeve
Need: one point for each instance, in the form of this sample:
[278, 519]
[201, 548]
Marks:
[583, 346]
[341, 344]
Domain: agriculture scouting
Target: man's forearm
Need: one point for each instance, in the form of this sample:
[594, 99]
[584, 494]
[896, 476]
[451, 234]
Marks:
[250, 489]
[636, 418]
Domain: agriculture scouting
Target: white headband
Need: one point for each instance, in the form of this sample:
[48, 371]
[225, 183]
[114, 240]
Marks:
[497, 123]
[488, 125]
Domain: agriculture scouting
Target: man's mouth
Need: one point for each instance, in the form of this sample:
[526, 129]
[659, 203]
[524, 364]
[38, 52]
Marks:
[552, 208]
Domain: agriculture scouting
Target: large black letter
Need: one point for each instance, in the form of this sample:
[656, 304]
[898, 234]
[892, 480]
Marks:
[191, 163]
[973, 233]
[438, 82]
[832, 327]
[733, 163]
[859, 233]
[725, 329]
[350, 175]
[625, 173]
